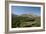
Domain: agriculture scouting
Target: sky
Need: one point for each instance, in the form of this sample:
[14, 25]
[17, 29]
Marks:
[18, 10]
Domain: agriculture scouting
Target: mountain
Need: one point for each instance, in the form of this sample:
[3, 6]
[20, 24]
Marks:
[25, 20]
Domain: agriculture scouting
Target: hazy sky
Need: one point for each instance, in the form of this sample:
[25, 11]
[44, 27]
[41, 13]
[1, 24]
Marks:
[18, 10]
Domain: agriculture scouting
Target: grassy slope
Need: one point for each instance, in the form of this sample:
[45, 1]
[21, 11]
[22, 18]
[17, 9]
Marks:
[25, 21]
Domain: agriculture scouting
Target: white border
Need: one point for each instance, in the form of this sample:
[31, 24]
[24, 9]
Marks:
[30, 28]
